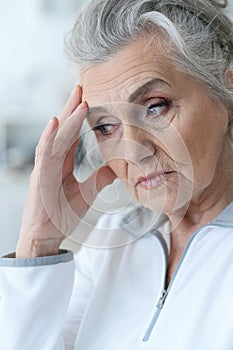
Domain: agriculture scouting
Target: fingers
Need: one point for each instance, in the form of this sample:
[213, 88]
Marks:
[74, 100]
[47, 138]
[68, 132]
[58, 139]
[69, 161]
[49, 133]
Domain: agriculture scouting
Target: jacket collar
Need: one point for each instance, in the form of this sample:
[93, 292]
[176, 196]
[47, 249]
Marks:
[140, 220]
[225, 218]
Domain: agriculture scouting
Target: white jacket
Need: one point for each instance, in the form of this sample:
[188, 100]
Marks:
[114, 298]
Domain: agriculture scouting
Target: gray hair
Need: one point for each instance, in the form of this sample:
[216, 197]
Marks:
[200, 36]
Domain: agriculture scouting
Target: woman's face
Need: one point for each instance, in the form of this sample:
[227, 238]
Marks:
[158, 129]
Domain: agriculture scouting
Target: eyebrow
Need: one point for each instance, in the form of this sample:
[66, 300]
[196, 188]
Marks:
[142, 90]
[95, 110]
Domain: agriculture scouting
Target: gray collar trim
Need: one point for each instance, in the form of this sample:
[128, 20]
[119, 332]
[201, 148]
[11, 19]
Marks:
[10, 261]
[225, 218]
[141, 220]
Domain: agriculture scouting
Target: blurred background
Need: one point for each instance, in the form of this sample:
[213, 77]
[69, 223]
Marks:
[36, 80]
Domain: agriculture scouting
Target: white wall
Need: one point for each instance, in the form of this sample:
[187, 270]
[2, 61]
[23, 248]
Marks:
[34, 74]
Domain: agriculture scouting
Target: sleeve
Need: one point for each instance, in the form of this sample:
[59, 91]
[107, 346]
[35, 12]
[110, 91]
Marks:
[84, 284]
[43, 300]
[34, 298]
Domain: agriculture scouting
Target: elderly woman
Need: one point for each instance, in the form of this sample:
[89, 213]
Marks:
[156, 90]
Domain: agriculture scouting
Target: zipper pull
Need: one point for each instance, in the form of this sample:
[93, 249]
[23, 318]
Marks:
[162, 299]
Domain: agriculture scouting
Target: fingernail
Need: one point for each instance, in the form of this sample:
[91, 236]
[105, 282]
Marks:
[75, 93]
[49, 124]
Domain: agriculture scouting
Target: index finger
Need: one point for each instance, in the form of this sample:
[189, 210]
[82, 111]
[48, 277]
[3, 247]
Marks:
[74, 100]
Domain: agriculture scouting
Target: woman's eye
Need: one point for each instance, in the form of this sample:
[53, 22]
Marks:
[106, 129]
[158, 108]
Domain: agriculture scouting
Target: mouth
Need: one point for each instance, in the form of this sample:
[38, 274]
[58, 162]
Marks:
[154, 179]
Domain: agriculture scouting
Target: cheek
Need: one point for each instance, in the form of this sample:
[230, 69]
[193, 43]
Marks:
[204, 142]
[107, 149]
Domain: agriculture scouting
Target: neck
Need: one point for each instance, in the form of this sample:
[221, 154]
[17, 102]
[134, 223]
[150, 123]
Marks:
[206, 206]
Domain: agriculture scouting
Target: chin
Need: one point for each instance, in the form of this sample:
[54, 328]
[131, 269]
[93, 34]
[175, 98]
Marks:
[166, 200]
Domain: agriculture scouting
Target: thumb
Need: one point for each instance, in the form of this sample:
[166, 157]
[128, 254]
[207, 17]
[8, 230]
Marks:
[96, 182]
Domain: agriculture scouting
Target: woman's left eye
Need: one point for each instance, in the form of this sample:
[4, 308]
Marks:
[158, 108]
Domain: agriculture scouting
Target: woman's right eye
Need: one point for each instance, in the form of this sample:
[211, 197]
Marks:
[106, 129]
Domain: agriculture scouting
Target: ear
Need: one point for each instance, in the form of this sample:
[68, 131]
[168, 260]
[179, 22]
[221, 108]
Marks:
[229, 75]
[229, 79]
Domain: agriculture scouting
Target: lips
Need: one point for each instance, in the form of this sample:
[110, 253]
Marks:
[152, 180]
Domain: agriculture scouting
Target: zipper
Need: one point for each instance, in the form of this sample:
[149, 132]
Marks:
[162, 299]
[156, 315]
[164, 292]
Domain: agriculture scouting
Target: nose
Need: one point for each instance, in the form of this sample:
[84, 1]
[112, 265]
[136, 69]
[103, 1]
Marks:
[137, 145]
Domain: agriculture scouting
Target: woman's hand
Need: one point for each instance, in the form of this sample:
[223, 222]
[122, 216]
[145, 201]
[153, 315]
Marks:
[56, 200]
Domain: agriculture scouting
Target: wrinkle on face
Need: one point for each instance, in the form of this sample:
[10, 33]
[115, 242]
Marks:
[128, 71]
[192, 145]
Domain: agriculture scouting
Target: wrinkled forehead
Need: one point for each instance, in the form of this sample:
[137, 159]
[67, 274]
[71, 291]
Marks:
[119, 77]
